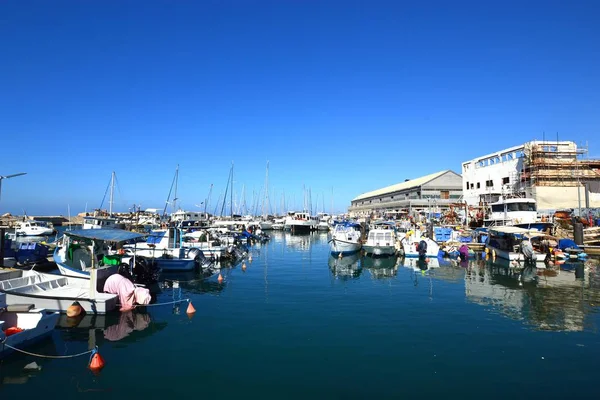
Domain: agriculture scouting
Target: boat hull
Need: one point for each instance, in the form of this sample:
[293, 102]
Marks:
[344, 247]
[379, 250]
[514, 256]
[102, 273]
[175, 265]
[27, 337]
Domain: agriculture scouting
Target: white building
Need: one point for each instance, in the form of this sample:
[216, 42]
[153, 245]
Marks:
[550, 172]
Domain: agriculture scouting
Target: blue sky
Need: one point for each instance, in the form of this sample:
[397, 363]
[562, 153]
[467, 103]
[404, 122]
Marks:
[339, 96]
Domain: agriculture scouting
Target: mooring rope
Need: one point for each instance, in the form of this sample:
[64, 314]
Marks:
[158, 304]
[46, 356]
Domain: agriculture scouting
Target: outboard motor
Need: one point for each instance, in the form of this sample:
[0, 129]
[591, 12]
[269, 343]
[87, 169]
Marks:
[422, 248]
[198, 257]
[527, 250]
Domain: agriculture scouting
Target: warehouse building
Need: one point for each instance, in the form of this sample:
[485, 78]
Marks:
[431, 193]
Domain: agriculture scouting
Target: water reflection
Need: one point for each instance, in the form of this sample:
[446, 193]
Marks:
[554, 298]
[347, 267]
[381, 267]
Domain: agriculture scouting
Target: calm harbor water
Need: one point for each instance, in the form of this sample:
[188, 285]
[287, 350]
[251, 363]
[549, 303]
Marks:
[299, 323]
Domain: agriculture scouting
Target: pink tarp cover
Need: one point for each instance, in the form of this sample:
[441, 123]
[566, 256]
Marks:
[129, 295]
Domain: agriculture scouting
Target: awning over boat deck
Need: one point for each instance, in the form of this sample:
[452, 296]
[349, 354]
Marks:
[106, 235]
[515, 230]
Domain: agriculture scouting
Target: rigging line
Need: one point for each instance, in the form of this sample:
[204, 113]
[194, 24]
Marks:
[121, 197]
[169, 196]
[225, 197]
[105, 192]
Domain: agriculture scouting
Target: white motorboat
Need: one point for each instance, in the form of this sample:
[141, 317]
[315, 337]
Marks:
[166, 248]
[278, 224]
[23, 325]
[507, 242]
[80, 250]
[346, 238]
[54, 292]
[204, 241]
[324, 223]
[34, 228]
[381, 240]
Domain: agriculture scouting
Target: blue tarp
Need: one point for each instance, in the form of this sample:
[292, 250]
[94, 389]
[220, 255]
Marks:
[107, 235]
[155, 237]
[567, 244]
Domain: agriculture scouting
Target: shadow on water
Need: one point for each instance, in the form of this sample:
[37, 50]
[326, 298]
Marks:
[347, 267]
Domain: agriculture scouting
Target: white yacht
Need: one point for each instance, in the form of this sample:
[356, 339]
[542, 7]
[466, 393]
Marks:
[34, 228]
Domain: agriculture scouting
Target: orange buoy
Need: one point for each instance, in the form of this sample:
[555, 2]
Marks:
[74, 310]
[243, 266]
[190, 309]
[96, 361]
[220, 278]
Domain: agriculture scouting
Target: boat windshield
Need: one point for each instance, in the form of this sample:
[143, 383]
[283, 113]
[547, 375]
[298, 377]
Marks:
[511, 207]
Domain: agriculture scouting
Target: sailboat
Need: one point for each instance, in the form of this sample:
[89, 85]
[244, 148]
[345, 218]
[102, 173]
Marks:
[100, 219]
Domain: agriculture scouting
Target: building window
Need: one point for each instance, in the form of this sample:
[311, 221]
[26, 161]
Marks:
[489, 183]
[505, 180]
[478, 185]
[472, 186]
[444, 194]
[467, 185]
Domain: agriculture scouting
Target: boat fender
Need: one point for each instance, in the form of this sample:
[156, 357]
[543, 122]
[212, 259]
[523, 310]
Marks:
[74, 310]
[12, 330]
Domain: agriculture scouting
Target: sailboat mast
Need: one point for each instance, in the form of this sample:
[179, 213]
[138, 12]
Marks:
[268, 207]
[175, 196]
[231, 194]
[112, 193]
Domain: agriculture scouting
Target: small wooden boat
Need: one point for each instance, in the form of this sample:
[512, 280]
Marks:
[54, 292]
[22, 325]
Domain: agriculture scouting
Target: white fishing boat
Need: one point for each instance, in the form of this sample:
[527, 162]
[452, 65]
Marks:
[80, 250]
[512, 211]
[381, 240]
[512, 243]
[23, 325]
[54, 292]
[346, 238]
[412, 246]
[100, 222]
[34, 228]
[298, 222]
